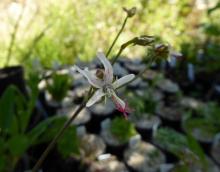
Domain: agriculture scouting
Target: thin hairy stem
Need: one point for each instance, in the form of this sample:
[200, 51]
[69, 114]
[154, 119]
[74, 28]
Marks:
[116, 57]
[123, 46]
[117, 36]
[13, 37]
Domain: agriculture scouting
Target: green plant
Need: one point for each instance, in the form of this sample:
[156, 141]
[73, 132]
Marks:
[205, 119]
[59, 86]
[136, 103]
[16, 138]
[170, 140]
[47, 129]
[142, 104]
[186, 148]
[122, 129]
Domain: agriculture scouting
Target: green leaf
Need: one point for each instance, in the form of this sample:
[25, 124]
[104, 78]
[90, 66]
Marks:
[171, 140]
[197, 149]
[2, 163]
[59, 87]
[181, 168]
[18, 144]
[69, 143]
[15, 111]
[122, 129]
[2, 147]
[46, 130]
[205, 126]
[7, 105]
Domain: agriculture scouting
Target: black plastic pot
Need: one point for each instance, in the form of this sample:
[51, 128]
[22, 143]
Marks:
[50, 108]
[146, 131]
[151, 157]
[170, 121]
[113, 145]
[94, 125]
[116, 150]
[12, 76]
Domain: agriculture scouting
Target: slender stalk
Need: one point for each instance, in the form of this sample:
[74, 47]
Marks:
[116, 38]
[123, 46]
[57, 137]
[13, 37]
[118, 54]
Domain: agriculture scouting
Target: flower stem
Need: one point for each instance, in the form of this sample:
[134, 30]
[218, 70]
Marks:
[117, 36]
[123, 46]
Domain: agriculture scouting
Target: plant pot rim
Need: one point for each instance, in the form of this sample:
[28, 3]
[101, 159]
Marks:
[165, 114]
[147, 122]
[10, 70]
[111, 164]
[94, 142]
[143, 152]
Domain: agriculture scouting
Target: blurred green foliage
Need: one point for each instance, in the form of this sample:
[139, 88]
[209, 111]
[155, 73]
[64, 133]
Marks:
[205, 120]
[79, 28]
[16, 137]
[186, 148]
[60, 84]
[144, 104]
[122, 129]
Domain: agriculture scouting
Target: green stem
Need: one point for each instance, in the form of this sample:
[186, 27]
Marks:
[118, 54]
[13, 37]
[116, 38]
[123, 46]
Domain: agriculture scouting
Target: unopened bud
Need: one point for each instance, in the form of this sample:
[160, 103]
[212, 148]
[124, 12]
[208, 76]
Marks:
[100, 74]
[143, 40]
[130, 12]
[162, 50]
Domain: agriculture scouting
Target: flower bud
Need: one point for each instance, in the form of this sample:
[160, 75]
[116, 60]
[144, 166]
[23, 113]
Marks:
[130, 12]
[143, 40]
[100, 73]
[162, 50]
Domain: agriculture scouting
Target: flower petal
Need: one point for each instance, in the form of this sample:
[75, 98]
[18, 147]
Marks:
[107, 66]
[123, 80]
[95, 98]
[119, 103]
[93, 80]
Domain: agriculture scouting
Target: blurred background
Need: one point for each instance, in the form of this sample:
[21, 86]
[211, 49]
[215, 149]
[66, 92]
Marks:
[51, 30]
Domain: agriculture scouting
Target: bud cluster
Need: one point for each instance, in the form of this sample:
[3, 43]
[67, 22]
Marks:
[130, 12]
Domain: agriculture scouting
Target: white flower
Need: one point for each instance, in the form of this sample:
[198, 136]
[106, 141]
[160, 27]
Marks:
[105, 85]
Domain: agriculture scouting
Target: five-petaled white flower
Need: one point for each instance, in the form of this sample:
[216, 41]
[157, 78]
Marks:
[105, 84]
